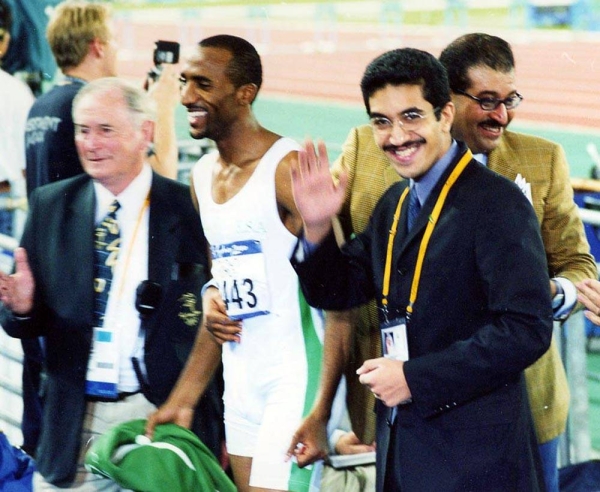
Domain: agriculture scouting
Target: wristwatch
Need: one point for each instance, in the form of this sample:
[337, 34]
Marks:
[559, 298]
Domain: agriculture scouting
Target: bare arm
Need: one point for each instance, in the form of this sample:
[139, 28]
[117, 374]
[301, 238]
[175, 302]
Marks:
[316, 195]
[165, 93]
[336, 355]
[309, 443]
[349, 443]
[285, 199]
[217, 322]
[193, 380]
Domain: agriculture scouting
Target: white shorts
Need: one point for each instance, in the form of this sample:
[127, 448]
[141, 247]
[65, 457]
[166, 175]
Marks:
[271, 378]
[265, 436]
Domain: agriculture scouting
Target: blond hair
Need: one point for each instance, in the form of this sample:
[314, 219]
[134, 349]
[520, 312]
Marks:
[71, 29]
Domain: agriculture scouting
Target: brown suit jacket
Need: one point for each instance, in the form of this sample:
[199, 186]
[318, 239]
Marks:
[543, 164]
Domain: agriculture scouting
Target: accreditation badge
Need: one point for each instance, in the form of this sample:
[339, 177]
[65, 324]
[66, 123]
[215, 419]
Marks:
[239, 269]
[394, 340]
[103, 367]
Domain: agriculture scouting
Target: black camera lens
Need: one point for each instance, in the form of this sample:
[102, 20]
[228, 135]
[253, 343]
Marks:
[165, 57]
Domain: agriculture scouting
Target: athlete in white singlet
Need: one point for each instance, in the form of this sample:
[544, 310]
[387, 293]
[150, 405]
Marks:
[271, 340]
[271, 376]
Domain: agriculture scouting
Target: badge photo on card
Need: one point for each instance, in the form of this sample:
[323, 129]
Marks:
[393, 339]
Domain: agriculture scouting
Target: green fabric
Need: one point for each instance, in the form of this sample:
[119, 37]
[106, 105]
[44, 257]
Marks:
[300, 478]
[176, 460]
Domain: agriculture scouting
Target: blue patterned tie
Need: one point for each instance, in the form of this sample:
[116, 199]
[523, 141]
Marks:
[414, 207]
[106, 251]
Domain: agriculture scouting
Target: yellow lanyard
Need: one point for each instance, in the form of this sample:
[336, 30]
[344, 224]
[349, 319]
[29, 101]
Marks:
[433, 218]
[131, 244]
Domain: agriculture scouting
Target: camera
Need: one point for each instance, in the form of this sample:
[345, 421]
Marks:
[164, 52]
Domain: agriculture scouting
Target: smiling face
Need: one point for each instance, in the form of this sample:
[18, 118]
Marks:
[111, 141]
[481, 130]
[412, 152]
[208, 94]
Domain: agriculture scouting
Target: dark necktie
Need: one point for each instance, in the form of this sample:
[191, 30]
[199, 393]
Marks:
[414, 207]
[106, 251]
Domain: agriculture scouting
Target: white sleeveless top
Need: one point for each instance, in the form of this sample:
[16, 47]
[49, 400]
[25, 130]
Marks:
[246, 223]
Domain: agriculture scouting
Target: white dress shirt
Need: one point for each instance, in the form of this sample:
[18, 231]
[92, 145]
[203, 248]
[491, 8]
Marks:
[132, 268]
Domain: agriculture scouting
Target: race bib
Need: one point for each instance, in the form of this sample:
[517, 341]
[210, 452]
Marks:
[240, 272]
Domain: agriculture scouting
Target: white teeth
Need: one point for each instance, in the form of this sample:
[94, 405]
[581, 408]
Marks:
[196, 114]
[405, 151]
[492, 128]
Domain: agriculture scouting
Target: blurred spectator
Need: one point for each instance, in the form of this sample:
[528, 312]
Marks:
[15, 101]
[84, 44]
[29, 56]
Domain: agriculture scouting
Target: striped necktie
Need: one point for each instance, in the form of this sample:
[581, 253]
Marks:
[414, 207]
[106, 251]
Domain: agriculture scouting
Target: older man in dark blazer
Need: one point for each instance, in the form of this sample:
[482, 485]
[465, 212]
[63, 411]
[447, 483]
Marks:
[464, 289]
[152, 311]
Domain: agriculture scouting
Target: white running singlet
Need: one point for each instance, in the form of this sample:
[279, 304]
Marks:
[272, 375]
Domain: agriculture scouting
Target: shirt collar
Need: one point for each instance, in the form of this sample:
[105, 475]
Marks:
[426, 183]
[131, 198]
[481, 158]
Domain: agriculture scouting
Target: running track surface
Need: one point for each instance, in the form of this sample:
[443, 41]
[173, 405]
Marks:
[558, 73]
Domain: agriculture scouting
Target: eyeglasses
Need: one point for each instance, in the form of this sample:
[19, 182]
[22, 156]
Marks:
[408, 121]
[491, 103]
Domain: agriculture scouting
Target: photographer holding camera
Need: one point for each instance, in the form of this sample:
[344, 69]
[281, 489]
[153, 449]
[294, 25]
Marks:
[162, 84]
[51, 153]
[83, 43]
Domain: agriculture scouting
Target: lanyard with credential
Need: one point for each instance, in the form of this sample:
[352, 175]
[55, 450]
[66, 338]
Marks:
[141, 336]
[433, 218]
[102, 377]
[131, 243]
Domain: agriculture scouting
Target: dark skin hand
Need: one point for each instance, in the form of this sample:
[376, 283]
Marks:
[221, 326]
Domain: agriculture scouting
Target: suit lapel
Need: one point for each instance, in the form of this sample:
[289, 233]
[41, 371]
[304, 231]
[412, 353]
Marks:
[162, 223]
[403, 239]
[79, 227]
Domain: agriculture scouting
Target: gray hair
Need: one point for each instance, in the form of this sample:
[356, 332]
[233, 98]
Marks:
[139, 104]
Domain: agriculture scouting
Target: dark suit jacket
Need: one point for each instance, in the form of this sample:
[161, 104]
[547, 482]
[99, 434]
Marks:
[59, 239]
[542, 164]
[481, 317]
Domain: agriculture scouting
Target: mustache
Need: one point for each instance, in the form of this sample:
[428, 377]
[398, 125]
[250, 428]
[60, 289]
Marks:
[492, 123]
[392, 148]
